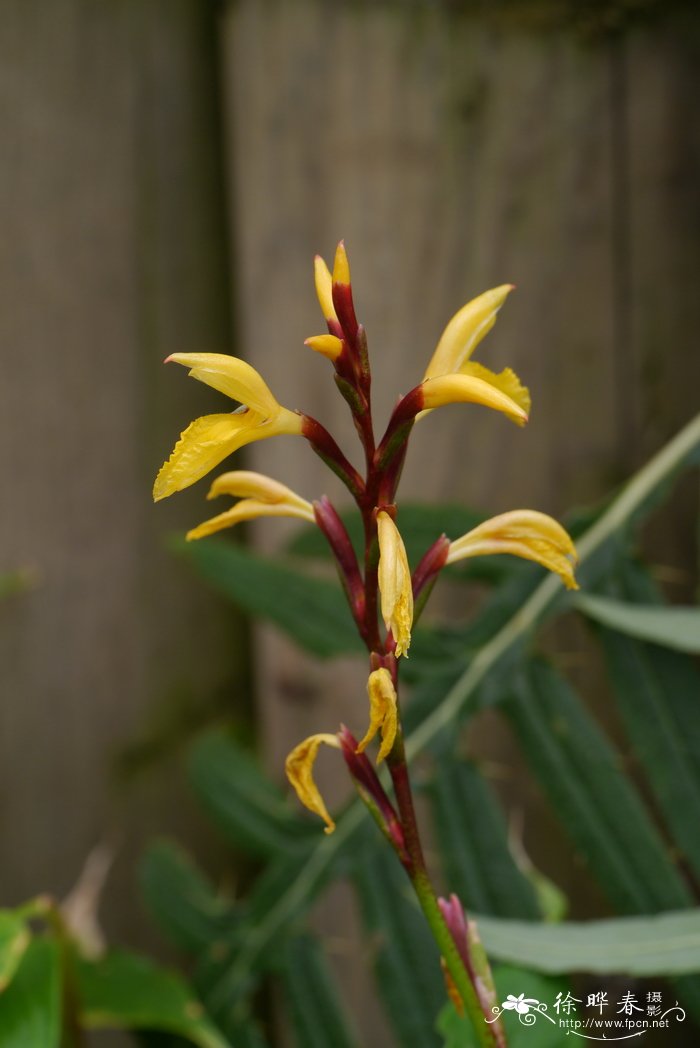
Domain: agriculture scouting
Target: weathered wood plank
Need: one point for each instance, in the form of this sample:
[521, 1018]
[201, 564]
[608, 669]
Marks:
[113, 254]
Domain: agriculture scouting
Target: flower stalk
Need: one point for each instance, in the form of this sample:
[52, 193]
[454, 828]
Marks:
[383, 589]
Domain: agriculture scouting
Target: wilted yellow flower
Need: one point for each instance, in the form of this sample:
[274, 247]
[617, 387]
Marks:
[394, 583]
[261, 497]
[210, 439]
[383, 712]
[523, 533]
[452, 356]
[299, 768]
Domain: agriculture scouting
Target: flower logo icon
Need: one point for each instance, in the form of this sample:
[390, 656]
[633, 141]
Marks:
[520, 1004]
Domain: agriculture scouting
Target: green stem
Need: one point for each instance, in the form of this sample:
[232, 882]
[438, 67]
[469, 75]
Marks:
[420, 879]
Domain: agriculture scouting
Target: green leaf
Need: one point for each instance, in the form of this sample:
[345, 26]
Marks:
[673, 627]
[657, 692]
[593, 550]
[30, 1007]
[595, 801]
[247, 806]
[473, 841]
[128, 992]
[310, 610]
[180, 898]
[407, 963]
[312, 1000]
[458, 1031]
[664, 944]
[14, 940]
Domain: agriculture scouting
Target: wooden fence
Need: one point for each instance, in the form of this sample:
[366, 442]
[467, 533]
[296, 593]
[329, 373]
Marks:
[169, 170]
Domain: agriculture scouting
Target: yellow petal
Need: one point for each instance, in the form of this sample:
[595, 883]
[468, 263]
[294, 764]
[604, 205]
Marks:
[324, 288]
[244, 484]
[247, 509]
[383, 713]
[233, 377]
[453, 389]
[203, 445]
[341, 266]
[523, 533]
[328, 345]
[299, 768]
[507, 381]
[394, 583]
[465, 331]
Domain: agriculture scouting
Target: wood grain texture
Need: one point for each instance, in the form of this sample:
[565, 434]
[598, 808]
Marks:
[113, 255]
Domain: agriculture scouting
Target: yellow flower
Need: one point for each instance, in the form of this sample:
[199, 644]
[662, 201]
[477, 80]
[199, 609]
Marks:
[261, 497]
[328, 345]
[324, 289]
[299, 768]
[523, 533]
[210, 439]
[463, 380]
[383, 713]
[394, 583]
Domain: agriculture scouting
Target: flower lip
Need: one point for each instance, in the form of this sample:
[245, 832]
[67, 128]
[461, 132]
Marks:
[455, 389]
[523, 533]
[383, 712]
[299, 768]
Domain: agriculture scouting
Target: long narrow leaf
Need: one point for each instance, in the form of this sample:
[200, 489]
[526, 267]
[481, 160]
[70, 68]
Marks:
[244, 802]
[406, 962]
[657, 693]
[666, 944]
[598, 806]
[311, 997]
[474, 844]
[672, 627]
[312, 611]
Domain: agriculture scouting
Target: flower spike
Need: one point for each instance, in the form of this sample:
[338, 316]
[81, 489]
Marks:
[383, 712]
[523, 533]
[394, 583]
[299, 768]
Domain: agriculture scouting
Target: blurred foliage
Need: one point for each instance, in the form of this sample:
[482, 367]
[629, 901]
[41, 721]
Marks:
[637, 837]
[238, 945]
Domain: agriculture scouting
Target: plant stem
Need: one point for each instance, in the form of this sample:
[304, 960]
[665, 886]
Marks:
[420, 879]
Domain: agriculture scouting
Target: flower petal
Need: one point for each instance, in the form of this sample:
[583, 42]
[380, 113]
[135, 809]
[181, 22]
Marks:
[394, 583]
[383, 713]
[465, 331]
[507, 381]
[233, 377]
[245, 484]
[203, 445]
[324, 288]
[247, 509]
[341, 266]
[453, 389]
[299, 768]
[523, 533]
[328, 345]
